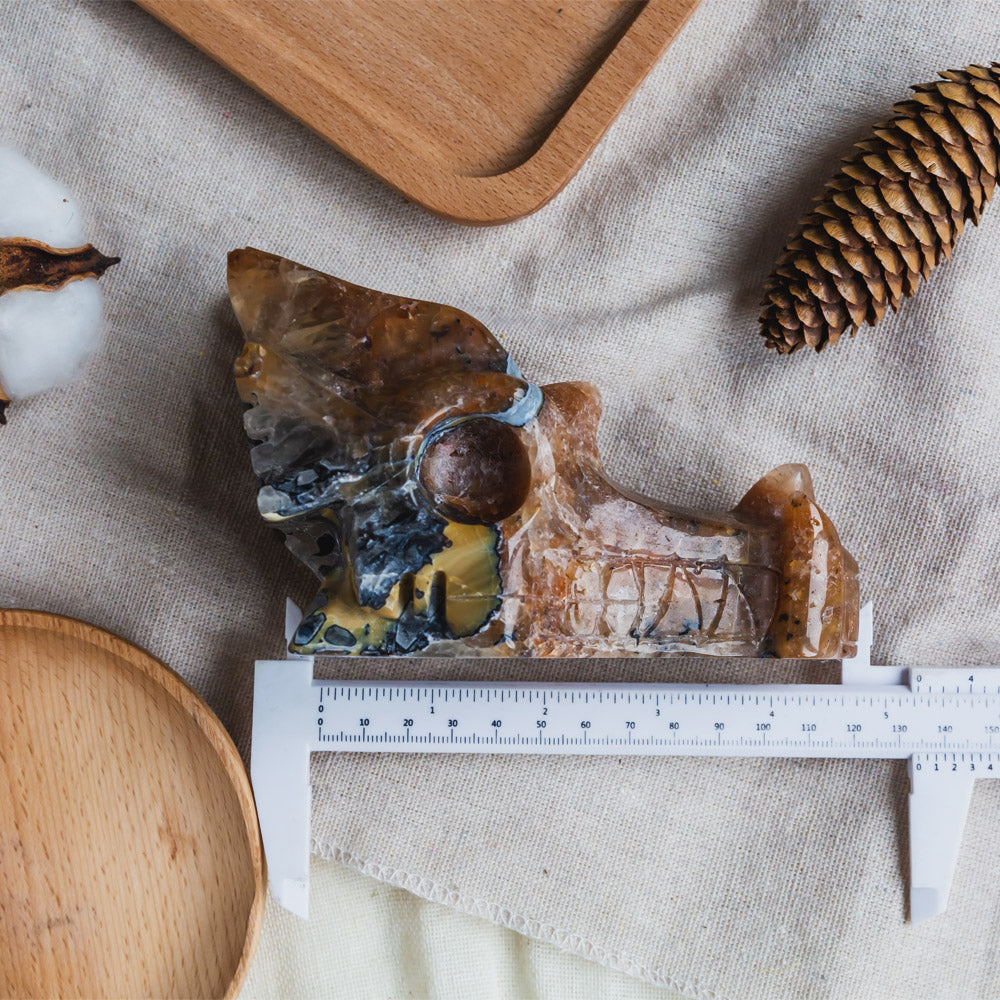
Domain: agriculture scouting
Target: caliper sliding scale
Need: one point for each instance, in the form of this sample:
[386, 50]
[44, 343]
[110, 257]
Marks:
[944, 721]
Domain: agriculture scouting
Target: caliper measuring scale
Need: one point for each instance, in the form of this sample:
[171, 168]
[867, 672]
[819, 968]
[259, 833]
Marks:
[944, 721]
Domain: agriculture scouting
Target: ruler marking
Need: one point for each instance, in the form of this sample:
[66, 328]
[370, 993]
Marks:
[960, 719]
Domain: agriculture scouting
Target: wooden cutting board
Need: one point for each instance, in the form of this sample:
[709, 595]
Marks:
[130, 857]
[480, 110]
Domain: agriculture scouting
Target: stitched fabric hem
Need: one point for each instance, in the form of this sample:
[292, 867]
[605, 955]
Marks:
[496, 913]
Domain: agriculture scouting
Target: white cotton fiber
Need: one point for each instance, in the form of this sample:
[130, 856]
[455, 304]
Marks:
[45, 337]
[35, 207]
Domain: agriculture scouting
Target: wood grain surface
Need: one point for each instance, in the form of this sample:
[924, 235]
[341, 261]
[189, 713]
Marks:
[480, 110]
[130, 857]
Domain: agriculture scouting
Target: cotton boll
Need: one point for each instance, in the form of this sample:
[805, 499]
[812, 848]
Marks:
[34, 207]
[51, 316]
[46, 337]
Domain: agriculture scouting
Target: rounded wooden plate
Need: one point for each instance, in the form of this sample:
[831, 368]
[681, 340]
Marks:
[130, 857]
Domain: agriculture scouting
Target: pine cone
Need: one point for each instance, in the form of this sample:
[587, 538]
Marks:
[892, 212]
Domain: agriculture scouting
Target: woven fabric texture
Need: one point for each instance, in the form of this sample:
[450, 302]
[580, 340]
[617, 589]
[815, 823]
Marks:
[128, 499]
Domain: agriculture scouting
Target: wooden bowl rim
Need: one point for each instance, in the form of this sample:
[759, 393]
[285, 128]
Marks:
[204, 718]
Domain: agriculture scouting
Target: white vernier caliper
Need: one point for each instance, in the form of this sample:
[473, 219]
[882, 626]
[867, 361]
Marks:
[945, 721]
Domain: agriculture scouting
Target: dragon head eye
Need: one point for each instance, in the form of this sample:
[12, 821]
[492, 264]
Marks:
[477, 472]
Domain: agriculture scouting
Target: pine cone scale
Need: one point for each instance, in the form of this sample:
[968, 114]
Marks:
[846, 235]
[989, 100]
[900, 200]
[959, 93]
[905, 160]
[834, 313]
[892, 261]
[973, 125]
[944, 127]
[898, 228]
[895, 283]
[826, 293]
[867, 266]
[866, 226]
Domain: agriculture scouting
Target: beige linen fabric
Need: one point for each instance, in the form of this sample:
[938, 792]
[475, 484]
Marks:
[366, 940]
[129, 502]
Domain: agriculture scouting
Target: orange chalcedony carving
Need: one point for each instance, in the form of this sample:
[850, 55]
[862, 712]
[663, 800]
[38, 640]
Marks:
[450, 507]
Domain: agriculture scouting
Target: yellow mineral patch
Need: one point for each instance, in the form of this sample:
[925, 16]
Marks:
[471, 572]
[468, 569]
[369, 626]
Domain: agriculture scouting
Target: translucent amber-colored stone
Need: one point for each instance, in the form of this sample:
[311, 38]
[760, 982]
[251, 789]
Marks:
[451, 507]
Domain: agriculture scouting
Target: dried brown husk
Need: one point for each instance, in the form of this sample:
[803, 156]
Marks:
[891, 214]
[31, 264]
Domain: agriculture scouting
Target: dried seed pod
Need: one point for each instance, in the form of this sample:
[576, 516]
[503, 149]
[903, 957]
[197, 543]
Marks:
[892, 212]
[30, 264]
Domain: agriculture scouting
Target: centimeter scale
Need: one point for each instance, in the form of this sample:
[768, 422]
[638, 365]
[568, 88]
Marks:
[945, 721]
